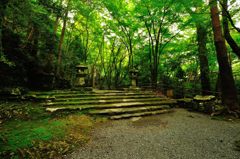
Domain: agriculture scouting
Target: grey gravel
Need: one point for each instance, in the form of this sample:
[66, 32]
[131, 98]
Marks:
[178, 135]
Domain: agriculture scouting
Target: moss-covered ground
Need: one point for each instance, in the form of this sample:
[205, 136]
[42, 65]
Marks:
[27, 131]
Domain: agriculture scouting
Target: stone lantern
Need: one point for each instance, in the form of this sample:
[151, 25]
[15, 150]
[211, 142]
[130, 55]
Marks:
[134, 76]
[81, 74]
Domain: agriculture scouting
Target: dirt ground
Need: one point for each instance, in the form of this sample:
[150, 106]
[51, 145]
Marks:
[181, 134]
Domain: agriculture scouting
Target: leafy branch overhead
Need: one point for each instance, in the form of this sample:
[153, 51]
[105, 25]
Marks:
[50, 37]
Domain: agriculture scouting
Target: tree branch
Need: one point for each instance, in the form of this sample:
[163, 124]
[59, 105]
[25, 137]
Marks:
[229, 17]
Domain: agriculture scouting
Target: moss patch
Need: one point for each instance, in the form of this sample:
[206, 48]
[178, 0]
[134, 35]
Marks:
[37, 134]
[22, 111]
[20, 134]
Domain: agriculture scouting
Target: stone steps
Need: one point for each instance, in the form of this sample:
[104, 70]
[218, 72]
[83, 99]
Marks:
[102, 98]
[124, 116]
[90, 95]
[109, 106]
[94, 92]
[72, 95]
[110, 103]
[69, 93]
[80, 97]
[114, 111]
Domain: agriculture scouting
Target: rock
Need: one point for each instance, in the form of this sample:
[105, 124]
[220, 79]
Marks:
[11, 91]
[205, 103]
[16, 91]
[204, 98]
[237, 144]
[135, 118]
[218, 107]
[185, 102]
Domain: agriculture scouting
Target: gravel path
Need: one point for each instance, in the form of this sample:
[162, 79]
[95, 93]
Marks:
[178, 135]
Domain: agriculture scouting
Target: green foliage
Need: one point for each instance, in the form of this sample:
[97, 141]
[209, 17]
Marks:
[109, 36]
[20, 134]
[158, 37]
[43, 137]
[4, 60]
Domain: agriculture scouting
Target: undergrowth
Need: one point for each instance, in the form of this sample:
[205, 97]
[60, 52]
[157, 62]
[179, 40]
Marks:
[37, 134]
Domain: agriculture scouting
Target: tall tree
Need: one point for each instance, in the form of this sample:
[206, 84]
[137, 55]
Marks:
[3, 4]
[51, 43]
[227, 14]
[201, 22]
[202, 25]
[227, 34]
[65, 18]
[125, 23]
[202, 55]
[229, 92]
[160, 19]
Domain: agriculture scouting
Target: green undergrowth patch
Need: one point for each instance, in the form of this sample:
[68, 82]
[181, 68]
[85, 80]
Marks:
[22, 111]
[219, 117]
[45, 135]
[20, 134]
[52, 93]
[226, 117]
[237, 145]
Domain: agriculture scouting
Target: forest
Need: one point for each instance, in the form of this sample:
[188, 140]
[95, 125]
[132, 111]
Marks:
[179, 48]
[171, 43]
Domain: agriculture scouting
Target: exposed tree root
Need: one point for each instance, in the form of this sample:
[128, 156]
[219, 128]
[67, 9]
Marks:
[235, 113]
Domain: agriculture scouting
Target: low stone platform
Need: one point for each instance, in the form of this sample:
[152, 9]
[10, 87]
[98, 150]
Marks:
[113, 104]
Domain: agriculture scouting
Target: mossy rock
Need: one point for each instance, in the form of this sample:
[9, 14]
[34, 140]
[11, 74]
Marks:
[218, 107]
[185, 100]
[204, 98]
[237, 144]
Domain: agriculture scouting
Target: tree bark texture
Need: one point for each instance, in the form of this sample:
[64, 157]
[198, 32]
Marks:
[61, 42]
[234, 46]
[3, 4]
[203, 59]
[229, 92]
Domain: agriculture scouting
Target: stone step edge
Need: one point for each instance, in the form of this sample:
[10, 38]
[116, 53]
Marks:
[80, 92]
[94, 95]
[53, 109]
[77, 91]
[106, 98]
[116, 105]
[115, 111]
[105, 101]
[124, 116]
[85, 97]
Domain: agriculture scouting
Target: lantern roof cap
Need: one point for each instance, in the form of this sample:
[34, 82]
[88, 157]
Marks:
[82, 66]
[133, 70]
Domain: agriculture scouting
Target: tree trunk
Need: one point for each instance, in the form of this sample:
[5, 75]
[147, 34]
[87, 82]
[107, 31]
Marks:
[227, 35]
[3, 4]
[202, 55]
[36, 34]
[50, 45]
[55, 27]
[87, 44]
[229, 92]
[61, 42]
[218, 86]
[1, 31]
[154, 75]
